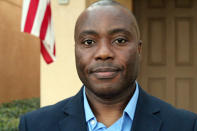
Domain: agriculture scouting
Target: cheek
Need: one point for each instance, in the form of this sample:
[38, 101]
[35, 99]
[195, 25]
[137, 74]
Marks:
[133, 64]
[128, 57]
[82, 59]
[79, 59]
[129, 60]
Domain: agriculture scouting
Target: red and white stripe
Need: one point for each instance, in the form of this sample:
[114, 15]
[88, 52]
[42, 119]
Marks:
[36, 20]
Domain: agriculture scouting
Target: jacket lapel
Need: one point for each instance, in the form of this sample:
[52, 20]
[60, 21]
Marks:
[146, 115]
[74, 114]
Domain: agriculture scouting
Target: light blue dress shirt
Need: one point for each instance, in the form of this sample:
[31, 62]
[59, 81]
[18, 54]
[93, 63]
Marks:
[123, 124]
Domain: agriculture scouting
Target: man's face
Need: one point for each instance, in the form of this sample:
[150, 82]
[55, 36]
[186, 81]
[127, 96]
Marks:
[106, 50]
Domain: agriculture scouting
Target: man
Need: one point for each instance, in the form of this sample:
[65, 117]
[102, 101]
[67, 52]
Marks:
[107, 50]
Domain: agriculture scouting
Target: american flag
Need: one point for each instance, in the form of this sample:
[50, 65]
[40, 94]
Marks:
[36, 20]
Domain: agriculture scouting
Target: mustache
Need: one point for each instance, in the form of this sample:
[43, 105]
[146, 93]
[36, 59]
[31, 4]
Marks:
[103, 67]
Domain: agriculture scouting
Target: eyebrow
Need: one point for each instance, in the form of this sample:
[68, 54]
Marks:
[88, 32]
[119, 30]
[110, 32]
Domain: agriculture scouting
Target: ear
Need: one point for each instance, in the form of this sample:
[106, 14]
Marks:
[139, 47]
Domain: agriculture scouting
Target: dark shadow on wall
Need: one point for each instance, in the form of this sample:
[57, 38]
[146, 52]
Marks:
[19, 56]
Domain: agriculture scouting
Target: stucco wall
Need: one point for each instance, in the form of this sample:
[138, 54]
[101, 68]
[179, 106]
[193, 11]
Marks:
[59, 80]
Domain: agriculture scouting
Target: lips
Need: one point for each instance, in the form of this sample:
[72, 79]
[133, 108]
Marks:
[105, 72]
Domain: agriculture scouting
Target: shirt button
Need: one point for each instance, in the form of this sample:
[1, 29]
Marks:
[92, 122]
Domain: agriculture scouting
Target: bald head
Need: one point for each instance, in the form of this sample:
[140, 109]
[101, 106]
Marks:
[102, 5]
[105, 3]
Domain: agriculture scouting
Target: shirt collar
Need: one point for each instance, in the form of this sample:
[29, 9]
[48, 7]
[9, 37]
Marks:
[129, 109]
[88, 112]
[131, 106]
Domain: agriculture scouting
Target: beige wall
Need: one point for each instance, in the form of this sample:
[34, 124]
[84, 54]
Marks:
[59, 80]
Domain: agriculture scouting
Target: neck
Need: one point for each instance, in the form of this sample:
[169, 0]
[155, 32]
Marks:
[107, 111]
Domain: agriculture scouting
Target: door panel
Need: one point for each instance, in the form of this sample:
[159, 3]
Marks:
[169, 64]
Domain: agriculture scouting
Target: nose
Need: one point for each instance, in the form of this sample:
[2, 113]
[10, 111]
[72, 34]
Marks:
[104, 51]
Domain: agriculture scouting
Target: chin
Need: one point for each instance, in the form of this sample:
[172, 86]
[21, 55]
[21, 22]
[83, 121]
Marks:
[106, 91]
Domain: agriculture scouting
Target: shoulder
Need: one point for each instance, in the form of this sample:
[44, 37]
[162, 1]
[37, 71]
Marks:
[169, 110]
[172, 117]
[48, 118]
[51, 109]
[45, 116]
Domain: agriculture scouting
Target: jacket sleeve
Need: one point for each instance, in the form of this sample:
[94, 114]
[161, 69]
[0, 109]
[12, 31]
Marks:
[22, 124]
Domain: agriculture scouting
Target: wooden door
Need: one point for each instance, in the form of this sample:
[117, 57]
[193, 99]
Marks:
[169, 57]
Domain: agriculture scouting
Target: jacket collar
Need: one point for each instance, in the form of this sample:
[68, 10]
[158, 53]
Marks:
[75, 116]
[146, 115]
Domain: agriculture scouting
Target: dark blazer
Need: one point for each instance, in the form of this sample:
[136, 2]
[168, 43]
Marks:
[151, 114]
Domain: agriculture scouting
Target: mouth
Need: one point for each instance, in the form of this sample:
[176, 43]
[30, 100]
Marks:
[105, 72]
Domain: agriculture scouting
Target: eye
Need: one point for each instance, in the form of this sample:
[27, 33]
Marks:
[120, 41]
[88, 42]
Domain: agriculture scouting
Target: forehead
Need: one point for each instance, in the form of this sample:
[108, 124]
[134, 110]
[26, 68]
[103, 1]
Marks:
[104, 18]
